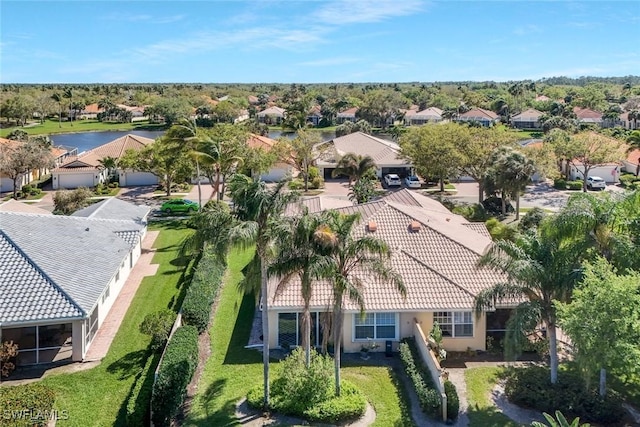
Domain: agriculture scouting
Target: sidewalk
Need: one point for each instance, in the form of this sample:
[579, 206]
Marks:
[101, 343]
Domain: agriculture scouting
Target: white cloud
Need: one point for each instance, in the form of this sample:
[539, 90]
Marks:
[341, 12]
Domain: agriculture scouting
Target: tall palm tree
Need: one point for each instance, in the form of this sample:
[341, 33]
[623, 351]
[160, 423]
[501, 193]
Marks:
[110, 164]
[511, 171]
[300, 255]
[351, 260]
[259, 209]
[540, 268]
[68, 94]
[58, 98]
[213, 225]
[354, 166]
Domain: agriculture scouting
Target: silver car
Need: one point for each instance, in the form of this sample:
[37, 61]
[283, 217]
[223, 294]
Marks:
[392, 180]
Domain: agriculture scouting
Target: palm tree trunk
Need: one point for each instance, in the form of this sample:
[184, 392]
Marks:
[265, 328]
[337, 336]
[603, 382]
[553, 350]
[306, 334]
[480, 192]
[504, 203]
[199, 188]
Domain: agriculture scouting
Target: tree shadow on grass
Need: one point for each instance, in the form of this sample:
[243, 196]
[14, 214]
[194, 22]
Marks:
[129, 365]
[489, 417]
[236, 353]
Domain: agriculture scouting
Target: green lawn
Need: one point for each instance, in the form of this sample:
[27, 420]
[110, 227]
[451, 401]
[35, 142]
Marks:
[98, 397]
[482, 412]
[232, 370]
[52, 127]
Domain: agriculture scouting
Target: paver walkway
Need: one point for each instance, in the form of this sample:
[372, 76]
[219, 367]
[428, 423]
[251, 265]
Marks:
[101, 343]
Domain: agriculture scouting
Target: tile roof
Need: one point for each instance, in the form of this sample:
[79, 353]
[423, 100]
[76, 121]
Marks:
[431, 113]
[349, 112]
[259, 141]
[92, 109]
[528, 115]
[27, 293]
[114, 208]
[275, 111]
[79, 255]
[115, 148]
[632, 157]
[542, 98]
[316, 204]
[586, 114]
[477, 114]
[383, 152]
[437, 263]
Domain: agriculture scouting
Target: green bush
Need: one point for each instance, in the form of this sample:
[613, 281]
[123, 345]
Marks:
[453, 401]
[472, 212]
[202, 292]
[500, 231]
[532, 219]
[626, 180]
[296, 184]
[310, 392]
[560, 184]
[428, 396]
[531, 387]
[140, 396]
[174, 374]
[35, 398]
[158, 326]
[574, 185]
[26, 189]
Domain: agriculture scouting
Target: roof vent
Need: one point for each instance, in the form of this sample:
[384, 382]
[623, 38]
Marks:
[372, 226]
[414, 226]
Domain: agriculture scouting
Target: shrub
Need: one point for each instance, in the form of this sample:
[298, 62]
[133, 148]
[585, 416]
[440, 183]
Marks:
[493, 206]
[8, 351]
[138, 400]
[174, 374]
[296, 184]
[67, 202]
[35, 398]
[500, 231]
[626, 180]
[532, 219]
[531, 387]
[574, 185]
[453, 401]
[427, 394]
[158, 326]
[202, 292]
[310, 392]
[474, 212]
[560, 184]
[316, 183]
[26, 189]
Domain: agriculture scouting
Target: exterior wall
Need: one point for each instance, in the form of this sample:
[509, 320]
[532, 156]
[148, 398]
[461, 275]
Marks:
[129, 177]
[604, 172]
[629, 167]
[6, 183]
[80, 179]
[117, 282]
[79, 348]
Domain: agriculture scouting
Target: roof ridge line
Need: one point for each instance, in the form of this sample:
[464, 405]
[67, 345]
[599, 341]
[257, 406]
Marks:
[41, 271]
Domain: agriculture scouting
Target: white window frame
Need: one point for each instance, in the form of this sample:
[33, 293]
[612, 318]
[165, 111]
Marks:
[453, 323]
[356, 317]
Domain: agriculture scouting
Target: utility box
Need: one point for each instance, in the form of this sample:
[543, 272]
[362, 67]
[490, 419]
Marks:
[388, 348]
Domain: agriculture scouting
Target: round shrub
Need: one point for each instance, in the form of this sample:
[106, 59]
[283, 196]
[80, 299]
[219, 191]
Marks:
[453, 401]
[532, 219]
[574, 185]
[560, 184]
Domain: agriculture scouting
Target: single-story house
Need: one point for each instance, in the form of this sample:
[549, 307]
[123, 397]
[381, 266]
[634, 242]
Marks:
[542, 98]
[428, 115]
[278, 171]
[59, 154]
[483, 117]
[610, 172]
[385, 153]
[348, 115]
[631, 163]
[631, 124]
[90, 111]
[528, 119]
[60, 275]
[586, 115]
[314, 115]
[434, 251]
[271, 116]
[85, 169]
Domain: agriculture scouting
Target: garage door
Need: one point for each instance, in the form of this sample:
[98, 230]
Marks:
[274, 175]
[140, 178]
[75, 180]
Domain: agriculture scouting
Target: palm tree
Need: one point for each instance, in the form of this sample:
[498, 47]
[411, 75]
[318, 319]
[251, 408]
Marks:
[352, 259]
[511, 172]
[354, 166]
[634, 115]
[58, 98]
[110, 164]
[540, 268]
[259, 208]
[212, 225]
[300, 255]
[68, 94]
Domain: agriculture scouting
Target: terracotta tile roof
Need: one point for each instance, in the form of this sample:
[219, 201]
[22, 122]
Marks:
[586, 114]
[477, 114]
[275, 111]
[432, 113]
[92, 109]
[542, 98]
[383, 152]
[115, 148]
[253, 99]
[259, 141]
[528, 115]
[634, 157]
[437, 262]
[316, 204]
[349, 112]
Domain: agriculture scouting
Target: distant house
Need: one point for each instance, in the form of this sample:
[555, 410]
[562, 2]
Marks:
[280, 170]
[627, 123]
[610, 172]
[271, 116]
[253, 100]
[428, 115]
[631, 163]
[90, 111]
[66, 273]
[586, 115]
[483, 117]
[85, 170]
[385, 153]
[314, 115]
[542, 98]
[348, 115]
[528, 119]
[137, 113]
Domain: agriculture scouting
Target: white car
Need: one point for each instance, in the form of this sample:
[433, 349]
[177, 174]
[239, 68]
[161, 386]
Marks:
[594, 182]
[412, 181]
[392, 180]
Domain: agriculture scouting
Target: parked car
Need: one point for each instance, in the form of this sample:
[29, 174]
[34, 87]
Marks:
[392, 180]
[594, 182]
[412, 182]
[179, 205]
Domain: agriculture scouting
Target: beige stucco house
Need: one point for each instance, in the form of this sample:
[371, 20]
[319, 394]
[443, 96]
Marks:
[435, 252]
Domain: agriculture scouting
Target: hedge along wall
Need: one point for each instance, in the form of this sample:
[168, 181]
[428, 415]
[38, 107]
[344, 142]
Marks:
[174, 374]
[202, 292]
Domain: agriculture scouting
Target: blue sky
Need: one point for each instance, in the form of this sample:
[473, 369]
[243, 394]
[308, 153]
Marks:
[315, 41]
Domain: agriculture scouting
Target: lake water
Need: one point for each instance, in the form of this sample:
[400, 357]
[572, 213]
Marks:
[84, 141]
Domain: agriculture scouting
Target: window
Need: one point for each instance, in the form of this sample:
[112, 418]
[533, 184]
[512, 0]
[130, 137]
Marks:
[375, 326]
[454, 323]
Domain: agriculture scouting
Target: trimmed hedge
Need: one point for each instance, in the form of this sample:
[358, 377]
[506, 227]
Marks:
[574, 185]
[628, 180]
[427, 394]
[453, 401]
[202, 292]
[140, 395]
[531, 387]
[175, 372]
[33, 403]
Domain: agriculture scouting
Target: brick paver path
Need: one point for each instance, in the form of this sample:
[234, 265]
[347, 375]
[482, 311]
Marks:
[101, 343]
